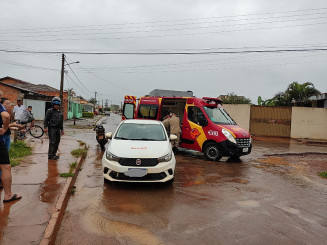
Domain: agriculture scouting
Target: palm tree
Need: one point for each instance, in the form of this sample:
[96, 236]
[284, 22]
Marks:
[299, 94]
[282, 99]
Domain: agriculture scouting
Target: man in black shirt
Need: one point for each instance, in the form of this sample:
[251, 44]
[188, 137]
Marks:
[53, 124]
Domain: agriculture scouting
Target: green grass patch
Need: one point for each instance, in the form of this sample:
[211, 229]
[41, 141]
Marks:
[81, 143]
[73, 165]
[80, 152]
[66, 175]
[73, 190]
[14, 162]
[81, 126]
[17, 151]
[323, 174]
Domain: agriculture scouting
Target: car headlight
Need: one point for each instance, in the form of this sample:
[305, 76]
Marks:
[112, 157]
[165, 158]
[228, 135]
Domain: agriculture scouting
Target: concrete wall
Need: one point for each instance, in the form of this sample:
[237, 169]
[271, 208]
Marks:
[309, 123]
[240, 113]
[306, 122]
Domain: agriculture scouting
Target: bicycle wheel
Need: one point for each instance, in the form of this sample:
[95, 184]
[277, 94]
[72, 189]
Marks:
[36, 131]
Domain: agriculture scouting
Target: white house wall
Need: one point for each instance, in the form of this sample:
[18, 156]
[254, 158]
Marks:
[38, 108]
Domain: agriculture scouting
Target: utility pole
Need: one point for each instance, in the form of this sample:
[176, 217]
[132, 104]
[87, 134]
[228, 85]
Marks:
[95, 99]
[62, 82]
[102, 107]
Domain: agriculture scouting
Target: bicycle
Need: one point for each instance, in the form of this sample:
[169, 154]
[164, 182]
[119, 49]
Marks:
[36, 131]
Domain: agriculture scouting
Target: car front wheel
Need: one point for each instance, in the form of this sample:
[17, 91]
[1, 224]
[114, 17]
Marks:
[212, 152]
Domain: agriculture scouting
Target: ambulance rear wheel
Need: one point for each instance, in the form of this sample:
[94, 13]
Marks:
[212, 152]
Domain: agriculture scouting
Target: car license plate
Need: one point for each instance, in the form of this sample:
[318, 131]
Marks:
[245, 149]
[100, 137]
[136, 172]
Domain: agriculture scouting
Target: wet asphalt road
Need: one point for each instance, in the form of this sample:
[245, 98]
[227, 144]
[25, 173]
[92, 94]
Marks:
[250, 202]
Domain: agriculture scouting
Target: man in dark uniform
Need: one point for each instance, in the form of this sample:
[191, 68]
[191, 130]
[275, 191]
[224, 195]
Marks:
[53, 124]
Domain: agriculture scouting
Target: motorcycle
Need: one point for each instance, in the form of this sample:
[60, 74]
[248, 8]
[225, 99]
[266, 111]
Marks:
[100, 136]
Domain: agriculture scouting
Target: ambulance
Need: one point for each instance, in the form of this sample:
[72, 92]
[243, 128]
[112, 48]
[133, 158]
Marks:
[205, 125]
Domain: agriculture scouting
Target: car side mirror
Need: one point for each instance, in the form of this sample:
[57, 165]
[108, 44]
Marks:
[173, 137]
[109, 135]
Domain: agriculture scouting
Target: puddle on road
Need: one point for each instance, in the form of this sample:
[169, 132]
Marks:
[124, 232]
[249, 204]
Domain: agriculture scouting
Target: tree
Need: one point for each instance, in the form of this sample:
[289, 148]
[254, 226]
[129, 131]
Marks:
[93, 101]
[71, 92]
[282, 99]
[269, 102]
[81, 97]
[296, 94]
[299, 94]
[232, 98]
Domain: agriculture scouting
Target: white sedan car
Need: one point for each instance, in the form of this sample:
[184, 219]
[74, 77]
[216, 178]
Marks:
[139, 151]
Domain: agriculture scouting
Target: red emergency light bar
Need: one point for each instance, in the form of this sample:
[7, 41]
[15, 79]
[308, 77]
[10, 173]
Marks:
[212, 102]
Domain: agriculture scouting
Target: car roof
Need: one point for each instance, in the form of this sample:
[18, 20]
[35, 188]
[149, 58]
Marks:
[141, 121]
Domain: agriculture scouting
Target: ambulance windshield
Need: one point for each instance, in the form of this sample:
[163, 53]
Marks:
[219, 116]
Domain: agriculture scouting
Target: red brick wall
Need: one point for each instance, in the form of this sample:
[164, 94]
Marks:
[19, 95]
[12, 94]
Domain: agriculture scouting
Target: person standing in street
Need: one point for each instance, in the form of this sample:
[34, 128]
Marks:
[5, 161]
[6, 136]
[175, 128]
[165, 122]
[53, 124]
[18, 110]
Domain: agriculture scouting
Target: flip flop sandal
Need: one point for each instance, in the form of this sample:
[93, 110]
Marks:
[14, 198]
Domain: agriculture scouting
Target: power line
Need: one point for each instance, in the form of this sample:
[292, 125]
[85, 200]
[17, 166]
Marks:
[168, 53]
[165, 30]
[165, 35]
[77, 77]
[167, 21]
[27, 65]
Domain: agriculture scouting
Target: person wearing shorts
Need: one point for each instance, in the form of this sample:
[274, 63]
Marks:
[4, 159]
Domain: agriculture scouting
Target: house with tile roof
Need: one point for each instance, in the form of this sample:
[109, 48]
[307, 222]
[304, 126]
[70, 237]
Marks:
[39, 96]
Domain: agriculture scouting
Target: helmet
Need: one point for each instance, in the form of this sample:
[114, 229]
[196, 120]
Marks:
[56, 101]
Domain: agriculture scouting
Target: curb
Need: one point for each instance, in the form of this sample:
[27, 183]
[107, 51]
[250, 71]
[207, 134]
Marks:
[52, 228]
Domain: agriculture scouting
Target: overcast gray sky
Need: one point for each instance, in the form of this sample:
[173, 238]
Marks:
[148, 26]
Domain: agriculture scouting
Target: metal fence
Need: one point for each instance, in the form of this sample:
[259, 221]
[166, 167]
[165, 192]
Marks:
[270, 121]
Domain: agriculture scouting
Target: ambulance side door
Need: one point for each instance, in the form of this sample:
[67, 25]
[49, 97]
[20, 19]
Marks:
[191, 129]
[129, 107]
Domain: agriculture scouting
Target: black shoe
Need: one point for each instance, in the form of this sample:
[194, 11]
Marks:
[53, 158]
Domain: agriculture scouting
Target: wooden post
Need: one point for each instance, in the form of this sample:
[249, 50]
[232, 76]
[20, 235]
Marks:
[15, 135]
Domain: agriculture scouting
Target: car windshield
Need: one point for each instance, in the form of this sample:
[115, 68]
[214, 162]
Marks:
[147, 132]
[219, 116]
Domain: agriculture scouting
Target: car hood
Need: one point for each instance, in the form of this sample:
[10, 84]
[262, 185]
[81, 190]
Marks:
[237, 131]
[139, 149]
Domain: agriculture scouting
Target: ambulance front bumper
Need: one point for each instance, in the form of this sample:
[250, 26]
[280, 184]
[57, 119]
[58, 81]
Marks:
[240, 149]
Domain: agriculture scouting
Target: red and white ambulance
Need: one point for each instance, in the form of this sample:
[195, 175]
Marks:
[205, 125]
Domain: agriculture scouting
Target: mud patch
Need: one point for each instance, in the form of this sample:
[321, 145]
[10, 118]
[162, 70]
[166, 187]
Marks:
[303, 163]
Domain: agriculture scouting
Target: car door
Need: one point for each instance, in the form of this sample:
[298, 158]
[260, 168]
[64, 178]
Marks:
[192, 130]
